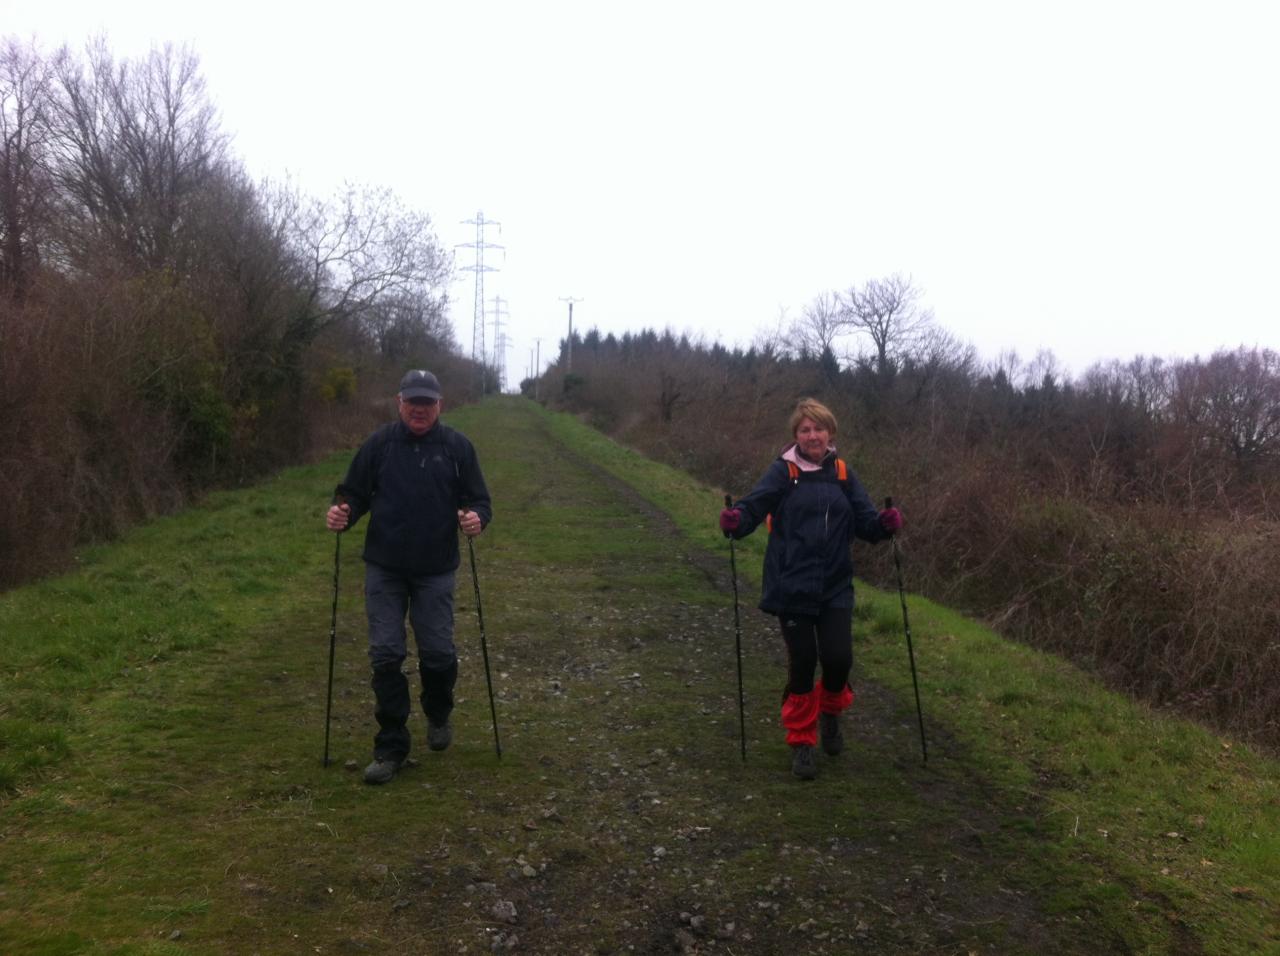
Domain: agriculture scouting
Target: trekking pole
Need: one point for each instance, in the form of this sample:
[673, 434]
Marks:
[484, 647]
[737, 627]
[906, 626]
[333, 639]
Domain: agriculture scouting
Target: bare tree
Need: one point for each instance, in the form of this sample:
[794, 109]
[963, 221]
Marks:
[938, 348]
[1043, 372]
[137, 143]
[770, 341]
[1234, 399]
[889, 312]
[1005, 369]
[354, 251]
[1150, 385]
[681, 374]
[403, 326]
[25, 183]
[942, 361]
[820, 323]
[671, 395]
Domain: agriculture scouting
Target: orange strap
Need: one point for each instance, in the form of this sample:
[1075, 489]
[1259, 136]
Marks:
[793, 472]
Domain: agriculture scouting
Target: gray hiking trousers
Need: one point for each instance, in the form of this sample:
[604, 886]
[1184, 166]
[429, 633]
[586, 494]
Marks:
[428, 601]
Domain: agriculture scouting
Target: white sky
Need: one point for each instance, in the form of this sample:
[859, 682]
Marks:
[1097, 178]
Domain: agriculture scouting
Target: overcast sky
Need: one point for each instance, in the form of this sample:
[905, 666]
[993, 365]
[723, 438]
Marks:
[1095, 178]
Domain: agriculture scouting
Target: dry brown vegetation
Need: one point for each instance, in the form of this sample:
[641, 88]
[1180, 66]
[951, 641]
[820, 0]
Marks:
[1126, 518]
[167, 324]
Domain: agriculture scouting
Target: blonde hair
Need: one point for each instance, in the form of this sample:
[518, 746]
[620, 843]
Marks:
[816, 412]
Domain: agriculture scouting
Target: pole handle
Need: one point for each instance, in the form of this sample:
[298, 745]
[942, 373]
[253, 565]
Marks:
[888, 502]
[728, 500]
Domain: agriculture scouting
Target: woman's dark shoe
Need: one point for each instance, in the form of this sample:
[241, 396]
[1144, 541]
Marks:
[832, 735]
[803, 763]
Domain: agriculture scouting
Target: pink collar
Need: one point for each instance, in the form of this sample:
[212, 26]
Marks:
[792, 454]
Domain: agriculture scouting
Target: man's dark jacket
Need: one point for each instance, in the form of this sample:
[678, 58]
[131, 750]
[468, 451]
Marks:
[807, 564]
[414, 487]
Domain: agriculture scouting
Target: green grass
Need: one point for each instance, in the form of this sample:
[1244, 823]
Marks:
[161, 724]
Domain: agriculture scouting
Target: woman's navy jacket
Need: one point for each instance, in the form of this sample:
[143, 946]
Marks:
[807, 564]
[414, 486]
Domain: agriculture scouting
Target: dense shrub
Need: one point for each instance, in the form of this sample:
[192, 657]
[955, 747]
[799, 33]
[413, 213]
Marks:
[168, 325]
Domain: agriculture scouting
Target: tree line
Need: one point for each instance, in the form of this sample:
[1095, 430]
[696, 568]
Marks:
[167, 323]
[1125, 517]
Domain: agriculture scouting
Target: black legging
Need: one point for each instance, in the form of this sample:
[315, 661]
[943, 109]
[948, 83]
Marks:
[825, 639]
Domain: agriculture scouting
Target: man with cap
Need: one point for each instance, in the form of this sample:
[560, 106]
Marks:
[420, 481]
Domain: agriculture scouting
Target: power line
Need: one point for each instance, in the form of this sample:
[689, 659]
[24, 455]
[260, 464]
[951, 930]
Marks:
[504, 343]
[479, 268]
[499, 339]
[537, 367]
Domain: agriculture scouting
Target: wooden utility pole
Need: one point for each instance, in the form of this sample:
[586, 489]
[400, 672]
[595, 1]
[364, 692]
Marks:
[568, 361]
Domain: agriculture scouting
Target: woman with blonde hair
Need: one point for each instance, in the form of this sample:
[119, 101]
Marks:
[815, 506]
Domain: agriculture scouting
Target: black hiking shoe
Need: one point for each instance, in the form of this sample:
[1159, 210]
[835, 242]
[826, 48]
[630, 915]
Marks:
[382, 770]
[439, 736]
[832, 735]
[802, 763]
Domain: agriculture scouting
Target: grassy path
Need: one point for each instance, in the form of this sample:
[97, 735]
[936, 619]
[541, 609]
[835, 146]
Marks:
[163, 716]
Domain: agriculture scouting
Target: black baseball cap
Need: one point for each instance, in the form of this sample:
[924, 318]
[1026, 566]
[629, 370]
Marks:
[419, 383]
